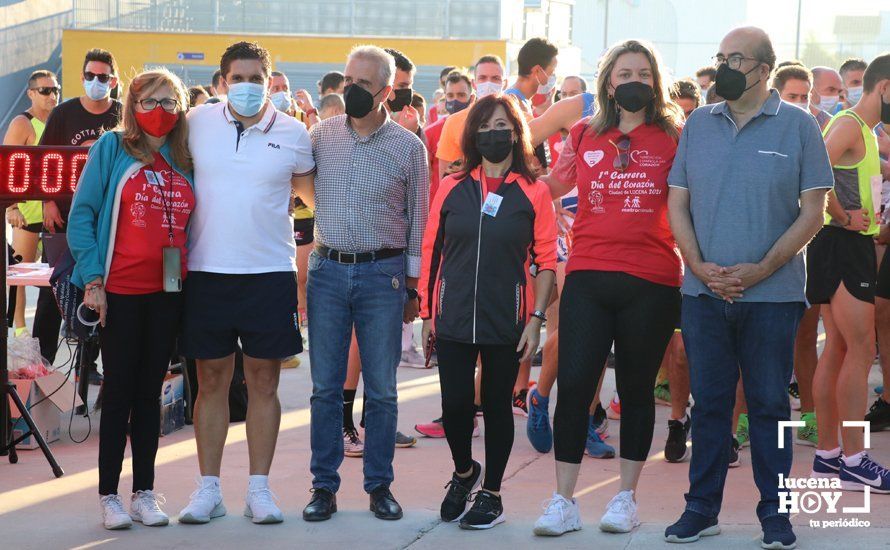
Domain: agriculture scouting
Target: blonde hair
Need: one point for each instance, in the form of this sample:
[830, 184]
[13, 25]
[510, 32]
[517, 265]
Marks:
[134, 140]
[661, 111]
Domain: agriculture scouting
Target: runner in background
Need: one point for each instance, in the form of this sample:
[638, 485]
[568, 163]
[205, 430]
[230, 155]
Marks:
[218, 88]
[434, 113]
[26, 218]
[197, 96]
[852, 71]
[331, 105]
[331, 83]
[705, 78]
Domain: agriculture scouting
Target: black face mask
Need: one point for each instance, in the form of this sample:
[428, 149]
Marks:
[885, 112]
[402, 100]
[633, 96]
[731, 84]
[455, 106]
[359, 101]
[495, 145]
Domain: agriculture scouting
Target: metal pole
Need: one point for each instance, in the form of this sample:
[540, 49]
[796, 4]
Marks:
[606, 27]
[215, 16]
[797, 39]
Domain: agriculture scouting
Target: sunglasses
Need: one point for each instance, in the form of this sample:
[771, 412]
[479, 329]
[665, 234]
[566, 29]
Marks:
[103, 78]
[47, 90]
[622, 160]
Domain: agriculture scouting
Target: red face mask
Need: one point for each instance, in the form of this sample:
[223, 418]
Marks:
[157, 122]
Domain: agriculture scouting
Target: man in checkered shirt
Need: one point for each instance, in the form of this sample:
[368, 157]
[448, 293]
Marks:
[371, 196]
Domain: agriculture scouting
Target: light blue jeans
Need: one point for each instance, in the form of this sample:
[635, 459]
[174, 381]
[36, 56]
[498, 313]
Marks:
[370, 297]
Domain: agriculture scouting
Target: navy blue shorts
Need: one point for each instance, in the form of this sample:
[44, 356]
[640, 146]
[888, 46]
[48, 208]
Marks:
[259, 309]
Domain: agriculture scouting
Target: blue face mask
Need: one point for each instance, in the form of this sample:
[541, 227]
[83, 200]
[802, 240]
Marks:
[96, 90]
[281, 100]
[247, 98]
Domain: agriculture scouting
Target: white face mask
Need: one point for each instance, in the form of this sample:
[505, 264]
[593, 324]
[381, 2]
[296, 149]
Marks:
[281, 100]
[854, 94]
[828, 103]
[484, 89]
[547, 87]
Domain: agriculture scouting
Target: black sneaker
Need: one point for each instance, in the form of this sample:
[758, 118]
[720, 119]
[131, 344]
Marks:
[520, 406]
[777, 534]
[734, 460]
[690, 527]
[675, 449]
[487, 511]
[455, 504]
[879, 415]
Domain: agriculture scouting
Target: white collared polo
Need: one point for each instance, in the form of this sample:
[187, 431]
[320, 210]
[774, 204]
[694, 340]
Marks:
[241, 222]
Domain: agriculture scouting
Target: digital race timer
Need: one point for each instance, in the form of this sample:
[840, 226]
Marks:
[39, 172]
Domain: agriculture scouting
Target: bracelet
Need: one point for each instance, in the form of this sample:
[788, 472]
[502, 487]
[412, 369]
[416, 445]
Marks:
[312, 111]
[93, 286]
[849, 219]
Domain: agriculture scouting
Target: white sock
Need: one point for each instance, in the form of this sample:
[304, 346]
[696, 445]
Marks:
[407, 336]
[834, 453]
[210, 481]
[258, 482]
[854, 460]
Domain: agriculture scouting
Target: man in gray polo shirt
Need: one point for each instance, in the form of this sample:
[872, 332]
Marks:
[747, 194]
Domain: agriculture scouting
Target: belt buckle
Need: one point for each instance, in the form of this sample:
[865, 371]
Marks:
[354, 258]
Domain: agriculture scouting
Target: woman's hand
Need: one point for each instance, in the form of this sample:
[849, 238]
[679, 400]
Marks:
[425, 335]
[15, 218]
[563, 217]
[94, 299]
[531, 337]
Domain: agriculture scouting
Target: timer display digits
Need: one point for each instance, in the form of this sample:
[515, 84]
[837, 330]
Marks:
[39, 172]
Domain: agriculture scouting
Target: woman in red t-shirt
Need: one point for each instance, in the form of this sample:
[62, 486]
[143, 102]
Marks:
[623, 277]
[139, 178]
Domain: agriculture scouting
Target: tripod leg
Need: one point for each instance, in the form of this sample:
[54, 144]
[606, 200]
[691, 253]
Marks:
[35, 431]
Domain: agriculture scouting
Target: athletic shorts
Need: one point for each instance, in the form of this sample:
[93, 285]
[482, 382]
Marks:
[838, 256]
[883, 288]
[304, 231]
[259, 309]
[36, 227]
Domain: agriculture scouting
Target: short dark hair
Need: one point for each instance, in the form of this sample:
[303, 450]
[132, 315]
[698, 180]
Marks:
[489, 59]
[709, 72]
[535, 52]
[579, 79]
[194, 92]
[877, 70]
[245, 50]
[418, 102]
[688, 89]
[456, 77]
[790, 63]
[102, 56]
[852, 64]
[764, 52]
[711, 96]
[791, 72]
[40, 73]
[443, 74]
[331, 81]
[217, 76]
[402, 61]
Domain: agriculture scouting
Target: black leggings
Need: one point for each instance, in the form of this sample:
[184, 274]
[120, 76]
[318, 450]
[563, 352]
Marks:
[597, 308]
[457, 367]
[137, 342]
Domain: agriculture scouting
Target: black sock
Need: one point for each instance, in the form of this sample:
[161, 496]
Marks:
[348, 400]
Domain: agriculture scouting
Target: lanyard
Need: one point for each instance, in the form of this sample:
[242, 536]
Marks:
[168, 207]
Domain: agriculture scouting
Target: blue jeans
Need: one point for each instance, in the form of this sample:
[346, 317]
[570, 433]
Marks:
[722, 339]
[371, 297]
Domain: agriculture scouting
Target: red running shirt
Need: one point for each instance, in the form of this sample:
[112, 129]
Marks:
[137, 263]
[621, 223]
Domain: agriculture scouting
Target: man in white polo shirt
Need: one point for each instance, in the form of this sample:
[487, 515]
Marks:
[242, 286]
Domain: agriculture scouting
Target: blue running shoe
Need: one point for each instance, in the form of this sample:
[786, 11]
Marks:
[777, 534]
[690, 527]
[538, 429]
[826, 467]
[596, 447]
[869, 472]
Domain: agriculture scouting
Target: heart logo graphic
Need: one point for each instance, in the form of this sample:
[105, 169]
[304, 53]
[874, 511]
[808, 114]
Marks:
[593, 157]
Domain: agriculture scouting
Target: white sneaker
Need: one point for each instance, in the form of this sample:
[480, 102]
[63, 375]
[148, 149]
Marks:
[621, 514]
[204, 504]
[352, 443]
[145, 508]
[560, 516]
[412, 358]
[260, 506]
[113, 514]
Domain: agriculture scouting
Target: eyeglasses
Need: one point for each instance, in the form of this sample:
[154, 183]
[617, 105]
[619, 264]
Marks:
[733, 61]
[150, 104]
[46, 90]
[622, 160]
[103, 78]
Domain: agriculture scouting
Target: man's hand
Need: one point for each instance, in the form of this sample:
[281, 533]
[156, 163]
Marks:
[409, 118]
[531, 337]
[564, 218]
[722, 281]
[883, 141]
[737, 279]
[412, 308]
[15, 218]
[304, 100]
[859, 220]
[425, 335]
[52, 217]
[884, 236]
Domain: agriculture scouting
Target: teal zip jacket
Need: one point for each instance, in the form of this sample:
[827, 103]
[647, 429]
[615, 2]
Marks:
[92, 221]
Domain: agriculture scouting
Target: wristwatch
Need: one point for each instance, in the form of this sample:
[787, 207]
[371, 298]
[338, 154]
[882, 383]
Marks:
[412, 293]
[540, 315]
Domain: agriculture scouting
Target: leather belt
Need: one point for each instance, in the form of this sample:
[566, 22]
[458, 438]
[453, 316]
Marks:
[357, 257]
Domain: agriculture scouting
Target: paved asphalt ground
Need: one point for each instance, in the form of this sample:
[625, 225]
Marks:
[40, 512]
